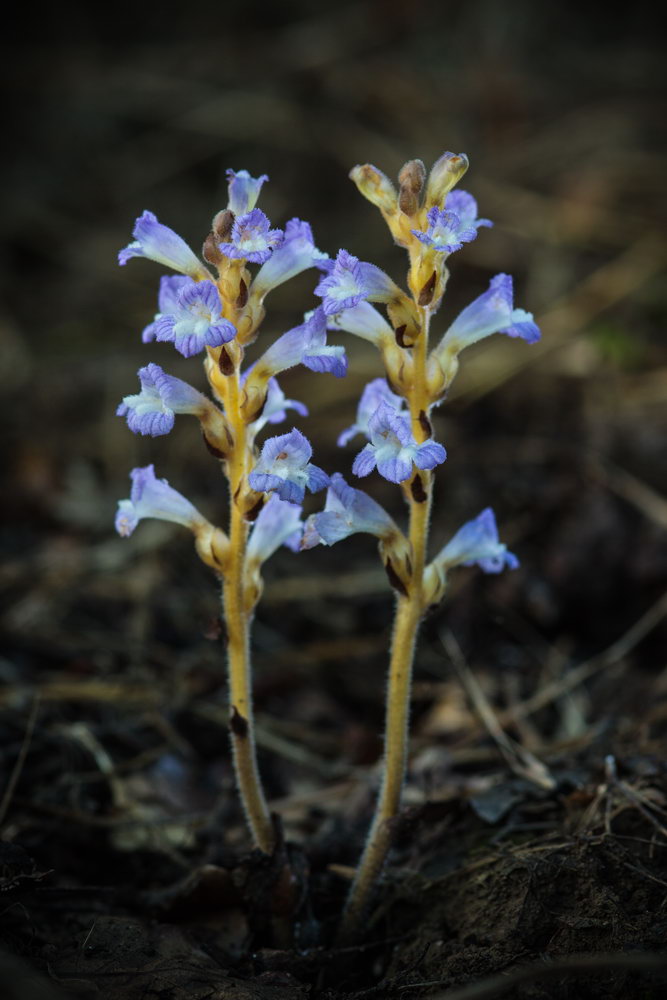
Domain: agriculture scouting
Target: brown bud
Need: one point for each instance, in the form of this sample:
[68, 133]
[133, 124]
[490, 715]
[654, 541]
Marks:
[419, 494]
[242, 297]
[225, 363]
[209, 250]
[411, 180]
[426, 292]
[222, 225]
[394, 579]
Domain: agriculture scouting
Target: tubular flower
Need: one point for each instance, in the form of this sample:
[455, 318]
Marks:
[276, 406]
[364, 321]
[446, 232]
[476, 543]
[152, 411]
[243, 190]
[252, 238]
[295, 254]
[190, 317]
[163, 245]
[278, 523]
[151, 497]
[346, 512]
[491, 312]
[304, 345]
[393, 449]
[462, 204]
[284, 467]
[374, 393]
[350, 281]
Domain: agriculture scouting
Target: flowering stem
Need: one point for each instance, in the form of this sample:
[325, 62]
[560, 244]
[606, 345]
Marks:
[409, 613]
[238, 648]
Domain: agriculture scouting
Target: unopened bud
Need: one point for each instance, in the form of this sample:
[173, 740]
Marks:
[375, 186]
[222, 225]
[210, 251]
[433, 585]
[445, 173]
[411, 179]
[212, 545]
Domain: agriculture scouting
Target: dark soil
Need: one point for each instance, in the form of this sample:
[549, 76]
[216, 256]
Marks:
[530, 866]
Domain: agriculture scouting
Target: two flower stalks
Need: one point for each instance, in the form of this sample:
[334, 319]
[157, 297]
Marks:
[220, 316]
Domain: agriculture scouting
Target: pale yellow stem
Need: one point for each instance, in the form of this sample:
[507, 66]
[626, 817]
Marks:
[409, 612]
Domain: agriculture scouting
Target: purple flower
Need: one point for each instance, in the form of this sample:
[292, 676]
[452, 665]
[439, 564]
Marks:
[279, 523]
[276, 406]
[350, 281]
[491, 312]
[151, 497]
[346, 512]
[374, 393]
[446, 232]
[284, 467]
[462, 204]
[304, 345]
[162, 396]
[393, 449]
[170, 286]
[161, 244]
[190, 317]
[243, 190]
[364, 321]
[295, 254]
[477, 543]
[252, 239]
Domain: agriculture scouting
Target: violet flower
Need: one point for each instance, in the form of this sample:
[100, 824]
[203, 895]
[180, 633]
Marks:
[393, 449]
[295, 254]
[161, 244]
[152, 411]
[446, 232]
[364, 321]
[243, 190]
[476, 543]
[284, 467]
[304, 345]
[350, 281]
[190, 317]
[374, 393]
[151, 497]
[491, 312]
[462, 204]
[346, 512]
[252, 238]
[278, 523]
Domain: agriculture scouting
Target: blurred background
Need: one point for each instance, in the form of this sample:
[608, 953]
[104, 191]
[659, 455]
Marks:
[562, 116]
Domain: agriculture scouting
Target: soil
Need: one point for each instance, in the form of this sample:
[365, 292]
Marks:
[530, 857]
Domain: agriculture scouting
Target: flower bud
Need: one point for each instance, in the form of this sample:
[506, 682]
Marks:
[375, 186]
[445, 173]
[222, 225]
[411, 179]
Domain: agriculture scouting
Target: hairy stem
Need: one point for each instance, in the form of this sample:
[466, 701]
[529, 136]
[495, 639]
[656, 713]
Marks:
[238, 648]
[409, 612]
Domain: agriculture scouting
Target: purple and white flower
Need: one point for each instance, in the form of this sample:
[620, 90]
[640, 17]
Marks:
[278, 523]
[304, 345]
[161, 244]
[346, 512]
[446, 232]
[350, 281]
[393, 449]
[243, 190]
[462, 204]
[276, 406]
[190, 317]
[151, 497]
[491, 312]
[476, 543]
[374, 393]
[284, 467]
[364, 321]
[252, 238]
[152, 411]
[295, 254]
